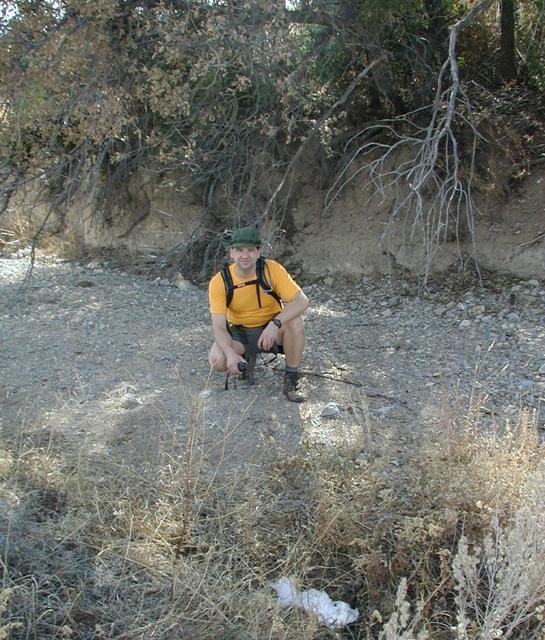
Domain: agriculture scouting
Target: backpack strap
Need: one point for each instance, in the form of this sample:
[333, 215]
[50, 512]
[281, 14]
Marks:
[228, 282]
[261, 280]
[261, 270]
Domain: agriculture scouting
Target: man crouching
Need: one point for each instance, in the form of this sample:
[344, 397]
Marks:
[256, 306]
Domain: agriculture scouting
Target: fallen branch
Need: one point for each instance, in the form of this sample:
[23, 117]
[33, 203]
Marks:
[314, 374]
[354, 383]
[523, 245]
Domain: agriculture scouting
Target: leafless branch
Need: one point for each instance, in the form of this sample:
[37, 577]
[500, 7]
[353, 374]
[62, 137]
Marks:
[297, 156]
[431, 183]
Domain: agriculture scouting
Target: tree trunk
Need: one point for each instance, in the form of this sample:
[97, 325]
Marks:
[507, 63]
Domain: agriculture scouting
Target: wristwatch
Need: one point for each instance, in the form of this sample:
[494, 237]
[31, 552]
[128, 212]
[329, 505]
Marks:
[277, 322]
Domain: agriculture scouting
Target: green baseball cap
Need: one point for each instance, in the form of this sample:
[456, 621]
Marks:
[245, 237]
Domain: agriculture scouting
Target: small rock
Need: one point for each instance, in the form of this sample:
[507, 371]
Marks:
[385, 410]
[532, 283]
[181, 282]
[512, 317]
[478, 310]
[541, 370]
[331, 410]
[361, 459]
[525, 385]
[464, 324]
[112, 264]
[131, 403]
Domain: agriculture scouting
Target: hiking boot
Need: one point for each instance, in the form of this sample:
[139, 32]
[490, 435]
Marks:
[291, 389]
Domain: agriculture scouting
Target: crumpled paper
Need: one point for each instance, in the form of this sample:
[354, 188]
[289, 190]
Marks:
[329, 613]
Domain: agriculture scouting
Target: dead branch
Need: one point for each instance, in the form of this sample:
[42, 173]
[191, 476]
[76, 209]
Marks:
[432, 184]
[297, 156]
[525, 245]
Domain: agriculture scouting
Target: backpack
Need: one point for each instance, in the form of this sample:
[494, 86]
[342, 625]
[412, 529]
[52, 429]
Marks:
[260, 281]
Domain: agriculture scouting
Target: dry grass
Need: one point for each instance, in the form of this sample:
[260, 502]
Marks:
[452, 547]
[23, 232]
[18, 233]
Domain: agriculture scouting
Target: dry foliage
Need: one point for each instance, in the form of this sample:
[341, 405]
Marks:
[220, 99]
[452, 547]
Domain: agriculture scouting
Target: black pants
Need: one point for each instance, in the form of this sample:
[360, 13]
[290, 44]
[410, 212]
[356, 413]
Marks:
[249, 337]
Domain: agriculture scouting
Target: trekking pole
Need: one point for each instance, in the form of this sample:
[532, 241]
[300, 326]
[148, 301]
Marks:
[241, 367]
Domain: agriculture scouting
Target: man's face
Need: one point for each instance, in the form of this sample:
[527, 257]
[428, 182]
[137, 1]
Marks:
[245, 258]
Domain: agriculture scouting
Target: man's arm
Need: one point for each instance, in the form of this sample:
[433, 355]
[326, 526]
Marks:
[292, 309]
[225, 342]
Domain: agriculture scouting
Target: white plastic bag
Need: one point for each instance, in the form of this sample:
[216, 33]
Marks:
[329, 613]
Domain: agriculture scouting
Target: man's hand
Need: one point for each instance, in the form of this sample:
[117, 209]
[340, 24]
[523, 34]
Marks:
[233, 360]
[268, 337]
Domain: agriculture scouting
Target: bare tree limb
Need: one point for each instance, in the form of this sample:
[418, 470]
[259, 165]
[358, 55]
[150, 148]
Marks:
[430, 184]
[297, 156]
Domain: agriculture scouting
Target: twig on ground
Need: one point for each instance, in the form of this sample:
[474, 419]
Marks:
[354, 383]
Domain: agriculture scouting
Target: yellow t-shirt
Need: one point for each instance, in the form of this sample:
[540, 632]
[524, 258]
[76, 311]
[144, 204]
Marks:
[244, 308]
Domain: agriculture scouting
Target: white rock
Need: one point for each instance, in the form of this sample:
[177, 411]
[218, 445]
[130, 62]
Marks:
[180, 282]
[331, 410]
[385, 410]
[464, 324]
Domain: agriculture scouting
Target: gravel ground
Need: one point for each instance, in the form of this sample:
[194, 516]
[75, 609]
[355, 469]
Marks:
[111, 363]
